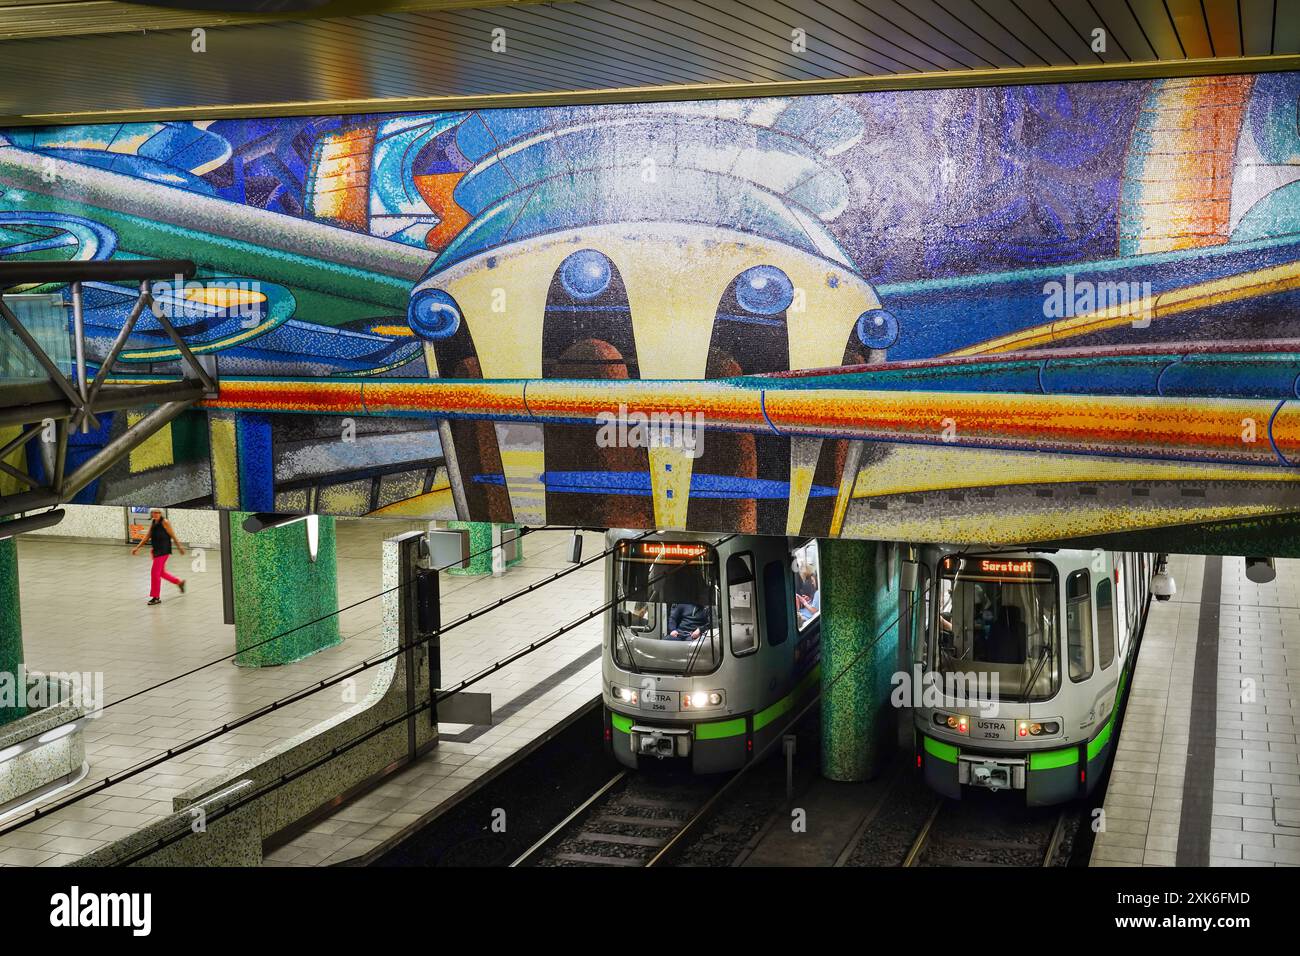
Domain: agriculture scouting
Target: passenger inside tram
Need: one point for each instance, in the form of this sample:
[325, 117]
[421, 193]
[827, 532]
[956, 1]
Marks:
[807, 585]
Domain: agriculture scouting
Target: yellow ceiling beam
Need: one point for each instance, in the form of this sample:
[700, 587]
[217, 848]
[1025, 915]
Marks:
[948, 79]
[28, 20]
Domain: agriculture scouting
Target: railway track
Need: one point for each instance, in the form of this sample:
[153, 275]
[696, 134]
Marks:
[954, 834]
[632, 820]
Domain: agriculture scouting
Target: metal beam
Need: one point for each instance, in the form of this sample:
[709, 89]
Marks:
[208, 384]
[14, 473]
[119, 343]
[120, 446]
[40, 271]
[112, 398]
[27, 501]
[22, 439]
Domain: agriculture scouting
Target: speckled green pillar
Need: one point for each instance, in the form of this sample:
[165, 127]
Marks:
[11, 624]
[279, 589]
[859, 597]
[480, 546]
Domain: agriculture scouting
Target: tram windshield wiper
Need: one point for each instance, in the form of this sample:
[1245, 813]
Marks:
[695, 651]
[1044, 655]
[627, 645]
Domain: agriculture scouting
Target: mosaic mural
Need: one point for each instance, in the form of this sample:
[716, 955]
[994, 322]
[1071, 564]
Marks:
[1013, 314]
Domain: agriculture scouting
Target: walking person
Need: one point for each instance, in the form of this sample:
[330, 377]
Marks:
[160, 537]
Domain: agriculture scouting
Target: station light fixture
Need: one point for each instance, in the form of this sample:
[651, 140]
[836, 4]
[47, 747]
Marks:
[1162, 582]
[1260, 569]
[59, 732]
[266, 520]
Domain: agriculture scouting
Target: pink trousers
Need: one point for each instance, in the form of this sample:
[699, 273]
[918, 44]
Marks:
[158, 574]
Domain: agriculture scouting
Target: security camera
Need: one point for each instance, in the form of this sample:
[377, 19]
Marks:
[1260, 569]
[1162, 582]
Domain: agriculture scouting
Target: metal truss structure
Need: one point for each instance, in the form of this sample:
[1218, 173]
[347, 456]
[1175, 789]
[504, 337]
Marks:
[67, 402]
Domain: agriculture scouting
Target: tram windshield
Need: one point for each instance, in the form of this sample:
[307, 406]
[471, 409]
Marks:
[996, 627]
[667, 619]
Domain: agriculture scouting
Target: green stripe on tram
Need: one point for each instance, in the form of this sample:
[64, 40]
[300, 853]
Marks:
[719, 729]
[937, 748]
[1098, 742]
[621, 724]
[786, 703]
[1052, 759]
[765, 717]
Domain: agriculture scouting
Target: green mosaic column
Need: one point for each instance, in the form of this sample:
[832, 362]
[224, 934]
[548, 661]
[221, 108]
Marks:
[11, 628]
[279, 588]
[480, 545]
[859, 656]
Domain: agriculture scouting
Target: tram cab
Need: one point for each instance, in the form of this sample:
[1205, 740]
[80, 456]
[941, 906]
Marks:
[711, 644]
[1023, 658]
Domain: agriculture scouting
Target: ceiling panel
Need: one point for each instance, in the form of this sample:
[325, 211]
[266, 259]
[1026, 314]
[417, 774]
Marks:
[1225, 27]
[1257, 26]
[73, 60]
[1191, 24]
[1159, 28]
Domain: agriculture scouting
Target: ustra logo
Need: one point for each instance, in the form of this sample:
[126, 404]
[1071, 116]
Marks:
[103, 909]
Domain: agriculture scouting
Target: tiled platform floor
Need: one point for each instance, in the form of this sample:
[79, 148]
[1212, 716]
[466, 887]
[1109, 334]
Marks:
[1253, 791]
[84, 610]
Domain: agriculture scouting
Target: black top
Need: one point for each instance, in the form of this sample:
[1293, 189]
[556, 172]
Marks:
[159, 540]
[685, 618]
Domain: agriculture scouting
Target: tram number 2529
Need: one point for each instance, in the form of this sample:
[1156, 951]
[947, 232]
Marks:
[985, 728]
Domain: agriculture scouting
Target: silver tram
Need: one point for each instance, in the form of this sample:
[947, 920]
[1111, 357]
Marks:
[710, 647]
[1023, 658]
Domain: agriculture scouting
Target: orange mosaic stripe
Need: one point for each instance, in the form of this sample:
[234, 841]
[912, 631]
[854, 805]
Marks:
[1197, 429]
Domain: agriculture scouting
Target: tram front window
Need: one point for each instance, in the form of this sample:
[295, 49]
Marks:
[667, 619]
[996, 628]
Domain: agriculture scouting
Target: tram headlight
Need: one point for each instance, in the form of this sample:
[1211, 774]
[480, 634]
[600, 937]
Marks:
[625, 695]
[959, 723]
[1035, 728]
[701, 699]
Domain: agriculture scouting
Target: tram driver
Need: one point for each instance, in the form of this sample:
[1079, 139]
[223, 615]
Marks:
[689, 621]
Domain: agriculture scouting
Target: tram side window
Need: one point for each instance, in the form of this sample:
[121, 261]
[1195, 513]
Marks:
[774, 608]
[1078, 625]
[921, 614]
[740, 604]
[807, 584]
[1105, 624]
[1131, 590]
